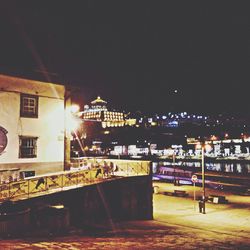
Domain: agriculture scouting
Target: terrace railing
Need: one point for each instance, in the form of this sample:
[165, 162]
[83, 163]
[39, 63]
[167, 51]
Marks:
[83, 172]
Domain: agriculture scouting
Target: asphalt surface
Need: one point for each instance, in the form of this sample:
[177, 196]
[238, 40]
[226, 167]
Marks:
[177, 224]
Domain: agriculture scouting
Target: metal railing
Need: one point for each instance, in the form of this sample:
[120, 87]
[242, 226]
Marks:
[83, 172]
[124, 167]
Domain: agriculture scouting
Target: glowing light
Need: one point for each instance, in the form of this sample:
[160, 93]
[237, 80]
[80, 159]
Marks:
[198, 145]
[58, 206]
[74, 108]
[72, 122]
[213, 137]
[208, 147]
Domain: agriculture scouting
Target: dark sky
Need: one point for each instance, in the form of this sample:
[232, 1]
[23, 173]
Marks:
[135, 54]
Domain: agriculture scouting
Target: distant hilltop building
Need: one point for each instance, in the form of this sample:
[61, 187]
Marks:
[98, 104]
[99, 112]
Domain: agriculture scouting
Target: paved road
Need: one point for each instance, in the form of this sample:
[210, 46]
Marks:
[232, 218]
[177, 225]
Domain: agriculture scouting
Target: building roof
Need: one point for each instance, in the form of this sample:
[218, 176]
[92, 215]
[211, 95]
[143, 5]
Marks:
[99, 101]
[32, 87]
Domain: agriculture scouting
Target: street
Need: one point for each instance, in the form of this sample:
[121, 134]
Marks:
[232, 218]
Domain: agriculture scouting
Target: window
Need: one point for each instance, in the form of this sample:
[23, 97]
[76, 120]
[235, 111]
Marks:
[29, 106]
[27, 147]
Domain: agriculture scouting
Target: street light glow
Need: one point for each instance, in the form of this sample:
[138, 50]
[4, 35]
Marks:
[74, 108]
[72, 121]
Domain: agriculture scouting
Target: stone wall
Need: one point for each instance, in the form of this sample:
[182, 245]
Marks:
[128, 198]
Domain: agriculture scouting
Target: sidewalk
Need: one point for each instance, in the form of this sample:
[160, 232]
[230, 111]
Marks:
[232, 218]
[146, 235]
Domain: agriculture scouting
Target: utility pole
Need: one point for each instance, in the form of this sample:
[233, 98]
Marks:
[174, 166]
[203, 176]
[67, 103]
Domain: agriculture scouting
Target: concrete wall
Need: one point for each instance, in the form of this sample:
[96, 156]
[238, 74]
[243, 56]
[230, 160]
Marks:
[128, 198]
[48, 127]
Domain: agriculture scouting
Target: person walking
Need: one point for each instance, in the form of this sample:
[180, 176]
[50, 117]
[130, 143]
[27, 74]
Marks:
[98, 171]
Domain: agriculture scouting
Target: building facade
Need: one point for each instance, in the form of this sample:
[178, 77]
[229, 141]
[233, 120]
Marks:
[31, 125]
[99, 112]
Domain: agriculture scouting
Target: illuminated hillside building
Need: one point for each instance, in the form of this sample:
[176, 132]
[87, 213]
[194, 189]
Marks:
[99, 112]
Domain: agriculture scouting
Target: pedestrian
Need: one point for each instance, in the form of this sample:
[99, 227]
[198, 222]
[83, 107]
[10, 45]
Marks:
[112, 168]
[202, 206]
[98, 171]
[105, 169]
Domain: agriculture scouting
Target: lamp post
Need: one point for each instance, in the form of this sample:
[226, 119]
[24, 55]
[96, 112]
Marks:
[67, 103]
[174, 167]
[203, 177]
[202, 202]
[71, 124]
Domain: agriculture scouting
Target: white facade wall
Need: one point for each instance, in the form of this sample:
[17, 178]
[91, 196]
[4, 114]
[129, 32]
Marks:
[132, 150]
[48, 127]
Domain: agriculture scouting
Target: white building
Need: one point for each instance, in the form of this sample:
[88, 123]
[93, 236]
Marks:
[98, 111]
[31, 125]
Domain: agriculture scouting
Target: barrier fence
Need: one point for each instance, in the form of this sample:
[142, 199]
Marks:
[123, 167]
[83, 172]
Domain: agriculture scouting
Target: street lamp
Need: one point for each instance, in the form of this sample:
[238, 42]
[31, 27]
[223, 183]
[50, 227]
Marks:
[71, 124]
[203, 177]
[72, 120]
[202, 202]
[174, 166]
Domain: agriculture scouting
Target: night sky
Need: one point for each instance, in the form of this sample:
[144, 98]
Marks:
[153, 56]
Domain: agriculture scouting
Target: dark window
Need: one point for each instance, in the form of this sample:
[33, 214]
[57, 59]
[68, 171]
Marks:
[27, 147]
[29, 106]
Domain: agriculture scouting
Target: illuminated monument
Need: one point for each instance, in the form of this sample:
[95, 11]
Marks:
[99, 112]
